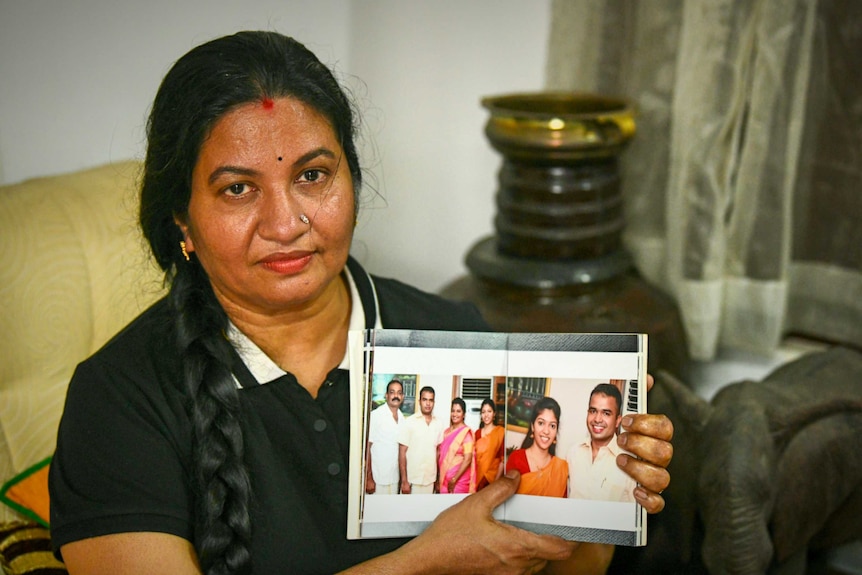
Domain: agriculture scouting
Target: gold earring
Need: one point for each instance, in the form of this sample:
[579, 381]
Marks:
[183, 249]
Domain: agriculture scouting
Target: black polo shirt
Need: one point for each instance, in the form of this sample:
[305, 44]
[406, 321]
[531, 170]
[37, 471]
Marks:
[123, 455]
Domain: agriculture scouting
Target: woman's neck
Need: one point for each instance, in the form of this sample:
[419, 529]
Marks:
[539, 458]
[307, 341]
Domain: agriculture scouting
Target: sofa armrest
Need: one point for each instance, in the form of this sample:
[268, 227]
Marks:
[73, 271]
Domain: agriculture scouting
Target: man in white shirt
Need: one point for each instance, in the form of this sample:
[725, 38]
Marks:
[381, 455]
[593, 471]
[417, 454]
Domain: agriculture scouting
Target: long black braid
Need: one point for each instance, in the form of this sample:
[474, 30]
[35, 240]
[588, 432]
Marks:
[223, 533]
[200, 88]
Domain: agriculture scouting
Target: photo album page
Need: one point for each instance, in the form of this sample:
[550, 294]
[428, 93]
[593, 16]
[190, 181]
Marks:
[438, 415]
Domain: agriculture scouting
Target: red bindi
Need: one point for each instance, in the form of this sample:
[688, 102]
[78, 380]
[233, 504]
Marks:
[267, 104]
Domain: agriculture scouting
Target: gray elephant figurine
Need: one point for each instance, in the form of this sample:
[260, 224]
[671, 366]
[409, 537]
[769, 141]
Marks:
[762, 475]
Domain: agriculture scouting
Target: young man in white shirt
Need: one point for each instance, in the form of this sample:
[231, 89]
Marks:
[593, 471]
[418, 439]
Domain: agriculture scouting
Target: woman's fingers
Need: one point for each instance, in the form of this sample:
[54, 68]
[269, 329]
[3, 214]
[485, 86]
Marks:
[652, 480]
[647, 437]
[650, 500]
[492, 547]
[496, 492]
[651, 477]
[541, 547]
[650, 424]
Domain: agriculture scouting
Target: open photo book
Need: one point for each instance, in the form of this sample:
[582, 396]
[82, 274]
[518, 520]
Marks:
[558, 400]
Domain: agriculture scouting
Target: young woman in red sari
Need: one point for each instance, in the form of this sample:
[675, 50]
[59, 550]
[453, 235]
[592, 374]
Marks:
[542, 472]
[455, 463]
[489, 446]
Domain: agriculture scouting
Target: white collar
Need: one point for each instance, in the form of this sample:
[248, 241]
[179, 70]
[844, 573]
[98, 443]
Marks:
[612, 446]
[263, 368]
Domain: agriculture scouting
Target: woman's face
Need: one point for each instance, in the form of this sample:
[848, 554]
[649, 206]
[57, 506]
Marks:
[456, 416]
[487, 414]
[545, 429]
[263, 166]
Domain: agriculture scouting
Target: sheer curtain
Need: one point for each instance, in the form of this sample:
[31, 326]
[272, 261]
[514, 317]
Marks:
[743, 186]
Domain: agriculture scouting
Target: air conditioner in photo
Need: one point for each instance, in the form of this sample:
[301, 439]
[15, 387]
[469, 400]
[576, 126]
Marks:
[473, 390]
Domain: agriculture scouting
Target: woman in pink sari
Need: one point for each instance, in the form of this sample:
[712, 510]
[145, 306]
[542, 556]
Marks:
[455, 463]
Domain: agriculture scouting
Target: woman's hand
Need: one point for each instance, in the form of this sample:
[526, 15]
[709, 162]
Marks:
[465, 540]
[648, 437]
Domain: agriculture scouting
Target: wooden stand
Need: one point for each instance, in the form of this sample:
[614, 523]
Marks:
[556, 263]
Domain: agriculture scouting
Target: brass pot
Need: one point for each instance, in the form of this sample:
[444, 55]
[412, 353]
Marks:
[559, 195]
[558, 126]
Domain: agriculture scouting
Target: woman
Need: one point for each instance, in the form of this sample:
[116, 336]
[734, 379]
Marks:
[210, 435]
[455, 464]
[489, 445]
[542, 472]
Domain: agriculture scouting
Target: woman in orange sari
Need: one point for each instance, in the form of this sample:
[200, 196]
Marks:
[542, 472]
[489, 446]
[455, 463]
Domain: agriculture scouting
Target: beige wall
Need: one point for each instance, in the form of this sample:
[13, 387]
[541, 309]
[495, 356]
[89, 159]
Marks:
[78, 78]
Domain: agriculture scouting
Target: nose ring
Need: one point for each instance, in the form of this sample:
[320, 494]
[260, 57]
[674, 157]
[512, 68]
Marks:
[303, 218]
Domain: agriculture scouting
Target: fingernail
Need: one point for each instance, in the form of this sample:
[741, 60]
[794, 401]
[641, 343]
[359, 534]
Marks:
[640, 494]
[622, 439]
[627, 421]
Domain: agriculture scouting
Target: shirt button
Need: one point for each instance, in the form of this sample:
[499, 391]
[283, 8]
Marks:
[320, 425]
[333, 469]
